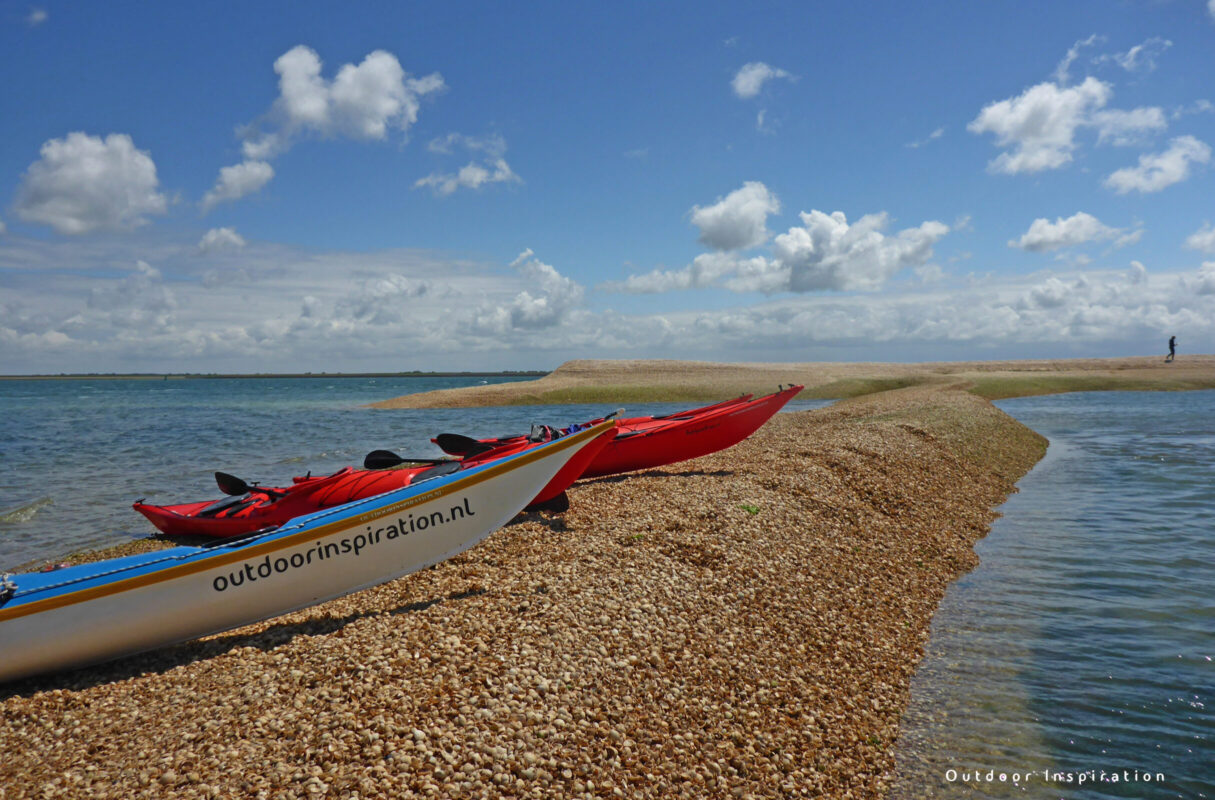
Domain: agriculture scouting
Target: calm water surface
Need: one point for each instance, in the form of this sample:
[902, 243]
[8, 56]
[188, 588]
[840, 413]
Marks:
[74, 454]
[1076, 661]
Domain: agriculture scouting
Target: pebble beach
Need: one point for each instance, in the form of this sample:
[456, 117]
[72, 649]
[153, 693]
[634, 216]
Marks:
[741, 625]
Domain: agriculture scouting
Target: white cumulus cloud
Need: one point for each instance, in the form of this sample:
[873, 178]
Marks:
[236, 181]
[1119, 127]
[738, 220]
[558, 295]
[140, 301]
[381, 300]
[218, 239]
[554, 298]
[1157, 171]
[707, 269]
[85, 183]
[1197, 107]
[828, 253]
[1044, 235]
[824, 253]
[491, 168]
[1202, 239]
[1202, 284]
[750, 79]
[1039, 126]
[1062, 76]
[1141, 57]
[493, 145]
[362, 101]
[471, 176]
[936, 134]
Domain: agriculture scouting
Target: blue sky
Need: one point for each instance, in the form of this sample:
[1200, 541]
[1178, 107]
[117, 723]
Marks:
[391, 186]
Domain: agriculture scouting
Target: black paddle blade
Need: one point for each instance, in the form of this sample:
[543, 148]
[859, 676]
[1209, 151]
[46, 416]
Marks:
[386, 459]
[382, 459]
[230, 484]
[459, 445]
[456, 444]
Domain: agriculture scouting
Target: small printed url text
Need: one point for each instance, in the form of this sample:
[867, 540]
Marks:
[1050, 776]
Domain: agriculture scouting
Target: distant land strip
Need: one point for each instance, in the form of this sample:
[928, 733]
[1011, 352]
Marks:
[157, 376]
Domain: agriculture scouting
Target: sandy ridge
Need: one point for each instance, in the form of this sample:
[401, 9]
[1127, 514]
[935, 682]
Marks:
[641, 380]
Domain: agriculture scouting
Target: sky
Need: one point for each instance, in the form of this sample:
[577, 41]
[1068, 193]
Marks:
[392, 186]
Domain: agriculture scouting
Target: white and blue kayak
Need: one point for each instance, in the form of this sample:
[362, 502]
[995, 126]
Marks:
[96, 612]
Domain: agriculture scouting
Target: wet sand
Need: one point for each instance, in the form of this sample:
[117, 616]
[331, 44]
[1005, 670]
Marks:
[741, 625]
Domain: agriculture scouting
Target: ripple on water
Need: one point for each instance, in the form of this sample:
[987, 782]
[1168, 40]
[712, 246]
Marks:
[24, 513]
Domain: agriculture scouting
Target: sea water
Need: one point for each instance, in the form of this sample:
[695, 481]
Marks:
[1077, 660]
[75, 453]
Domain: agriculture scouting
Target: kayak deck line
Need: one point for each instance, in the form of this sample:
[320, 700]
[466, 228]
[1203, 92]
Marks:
[204, 558]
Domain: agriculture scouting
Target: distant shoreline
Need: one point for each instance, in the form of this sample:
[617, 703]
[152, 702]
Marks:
[159, 376]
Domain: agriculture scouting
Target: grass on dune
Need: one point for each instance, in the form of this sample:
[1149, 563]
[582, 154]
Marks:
[998, 387]
[856, 387]
[629, 394]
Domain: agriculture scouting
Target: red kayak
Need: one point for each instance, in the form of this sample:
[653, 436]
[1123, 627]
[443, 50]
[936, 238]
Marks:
[457, 445]
[658, 441]
[645, 442]
[255, 508]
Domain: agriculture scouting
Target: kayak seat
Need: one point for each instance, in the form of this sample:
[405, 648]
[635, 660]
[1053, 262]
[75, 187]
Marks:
[541, 433]
[446, 468]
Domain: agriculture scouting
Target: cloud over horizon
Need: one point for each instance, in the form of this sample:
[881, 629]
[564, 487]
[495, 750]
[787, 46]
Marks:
[450, 315]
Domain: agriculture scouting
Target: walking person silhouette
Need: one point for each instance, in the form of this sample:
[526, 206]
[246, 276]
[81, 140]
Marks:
[1172, 348]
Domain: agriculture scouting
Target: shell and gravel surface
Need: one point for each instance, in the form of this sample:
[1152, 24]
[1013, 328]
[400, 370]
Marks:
[744, 625]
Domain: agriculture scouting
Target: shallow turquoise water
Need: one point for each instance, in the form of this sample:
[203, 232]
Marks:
[1076, 660]
[74, 454]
